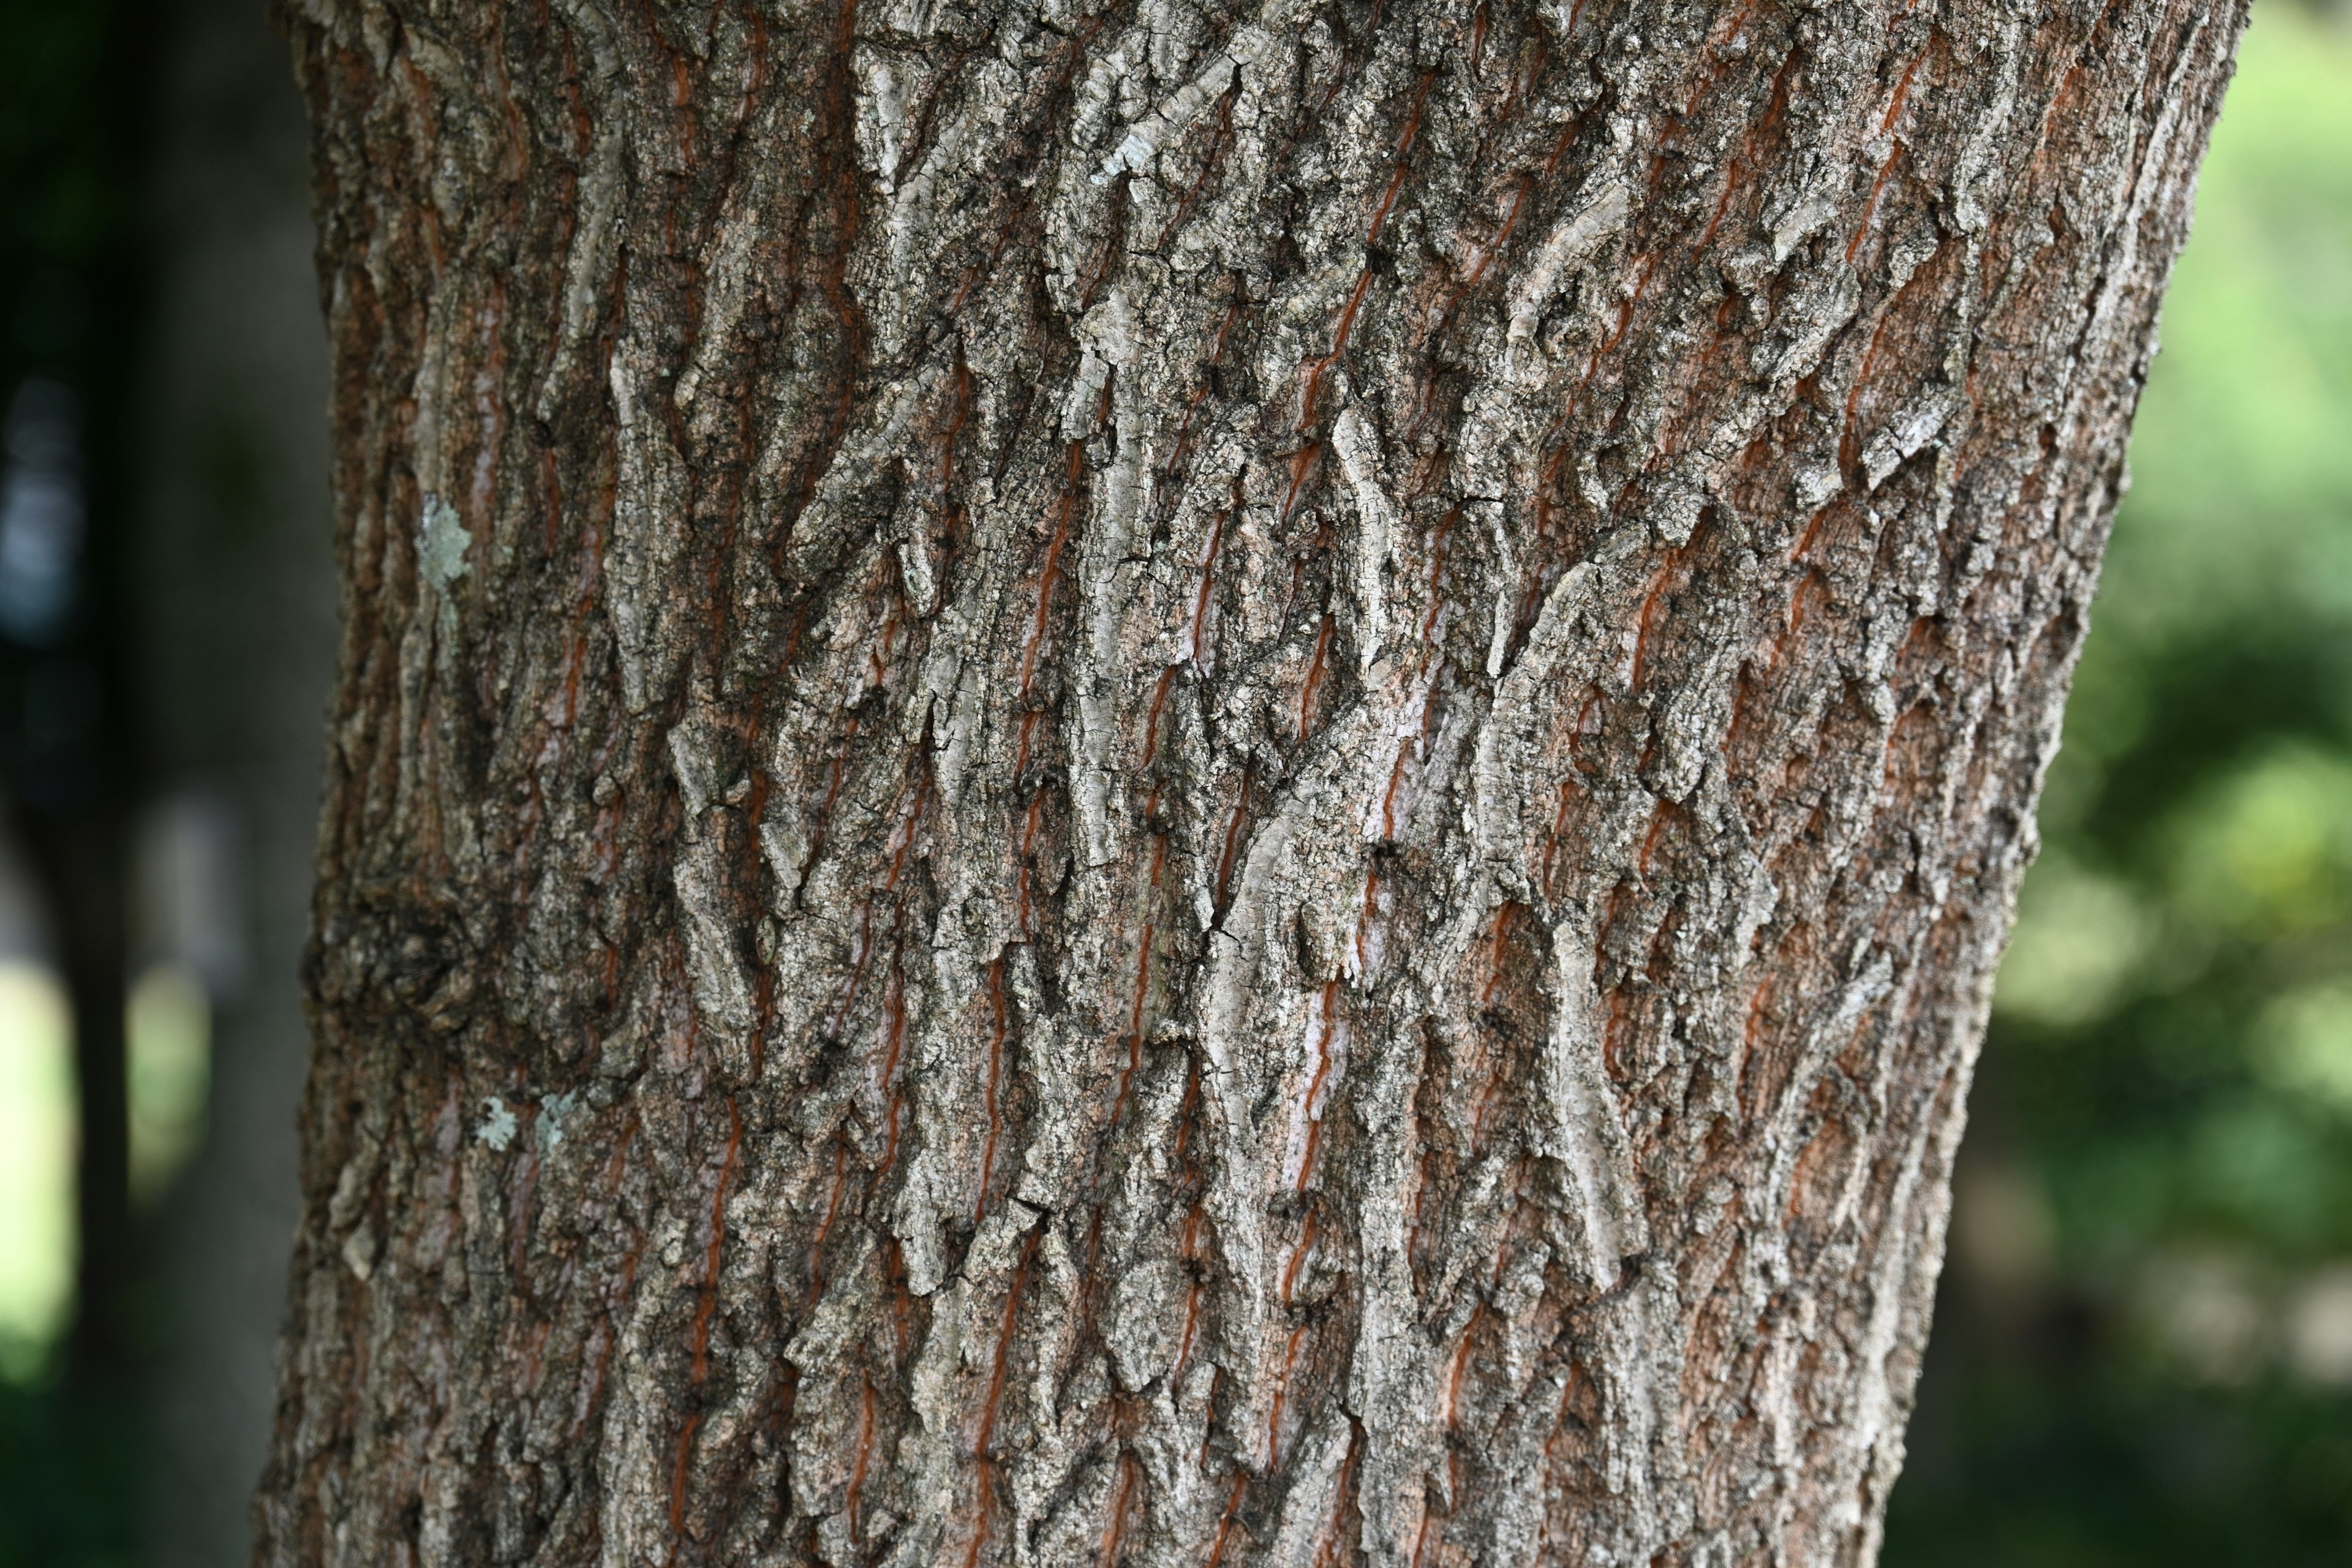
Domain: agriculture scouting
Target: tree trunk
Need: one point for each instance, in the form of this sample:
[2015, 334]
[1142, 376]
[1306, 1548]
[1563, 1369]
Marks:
[1154, 786]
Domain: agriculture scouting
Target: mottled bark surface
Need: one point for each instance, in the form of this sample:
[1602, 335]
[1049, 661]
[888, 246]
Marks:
[1147, 783]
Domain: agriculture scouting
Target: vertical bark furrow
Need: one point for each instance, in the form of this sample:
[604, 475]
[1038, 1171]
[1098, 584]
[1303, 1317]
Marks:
[1160, 784]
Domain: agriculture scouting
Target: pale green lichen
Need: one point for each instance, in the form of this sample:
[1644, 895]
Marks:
[497, 1127]
[442, 542]
[548, 1128]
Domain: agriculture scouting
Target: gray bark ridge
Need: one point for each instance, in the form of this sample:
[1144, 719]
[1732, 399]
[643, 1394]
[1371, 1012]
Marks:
[1160, 784]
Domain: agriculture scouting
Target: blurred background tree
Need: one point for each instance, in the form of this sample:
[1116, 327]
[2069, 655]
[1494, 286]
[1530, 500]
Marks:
[165, 651]
[70, 298]
[2143, 1351]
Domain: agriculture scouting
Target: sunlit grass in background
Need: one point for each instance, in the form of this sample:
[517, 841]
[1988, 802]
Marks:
[37, 1152]
[169, 1029]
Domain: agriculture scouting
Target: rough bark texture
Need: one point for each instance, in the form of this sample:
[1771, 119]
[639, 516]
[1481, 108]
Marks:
[1152, 784]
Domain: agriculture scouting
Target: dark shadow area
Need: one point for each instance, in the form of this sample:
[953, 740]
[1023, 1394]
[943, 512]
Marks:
[166, 632]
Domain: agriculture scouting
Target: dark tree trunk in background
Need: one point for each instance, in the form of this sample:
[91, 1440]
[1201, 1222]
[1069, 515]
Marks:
[74, 842]
[236, 599]
[1137, 784]
[73, 277]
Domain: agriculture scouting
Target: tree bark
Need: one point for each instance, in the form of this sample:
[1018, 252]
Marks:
[1143, 784]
